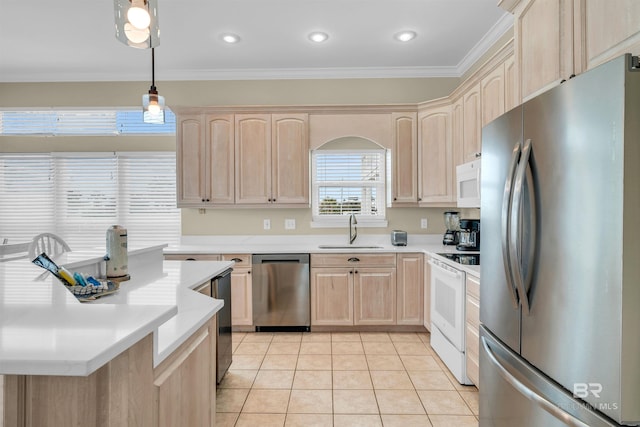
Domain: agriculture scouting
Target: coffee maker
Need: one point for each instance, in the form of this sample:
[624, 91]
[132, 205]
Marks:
[469, 235]
[452, 222]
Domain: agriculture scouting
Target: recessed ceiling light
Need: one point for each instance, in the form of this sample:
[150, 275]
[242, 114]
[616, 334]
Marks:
[230, 38]
[405, 36]
[318, 37]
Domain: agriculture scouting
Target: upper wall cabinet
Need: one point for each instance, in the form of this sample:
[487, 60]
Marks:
[204, 160]
[404, 185]
[272, 159]
[436, 157]
[492, 94]
[543, 32]
[472, 123]
[290, 158]
[609, 29]
[558, 38]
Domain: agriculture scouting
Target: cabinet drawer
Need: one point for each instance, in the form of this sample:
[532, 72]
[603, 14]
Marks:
[473, 286]
[192, 257]
[241, 260]
[473, 311]
[359, 260]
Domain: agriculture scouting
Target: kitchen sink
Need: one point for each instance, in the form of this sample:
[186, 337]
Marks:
[349, 247]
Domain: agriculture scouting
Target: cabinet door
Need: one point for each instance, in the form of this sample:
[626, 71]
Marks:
[457, 133]
[184, 389]
[191, 161]
[436, 168]
[543, 32]
[492, 95]
[404, 176]
[472, 329]
[472, 124]
[374, 292]
[241, 297]
[290, 152]
[427, 293]
[220, 144]
[610, 29]
[332, 296]
[511, 82]
[410, 288]
[253, 158]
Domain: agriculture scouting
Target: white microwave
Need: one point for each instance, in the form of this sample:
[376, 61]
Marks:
[468, 184]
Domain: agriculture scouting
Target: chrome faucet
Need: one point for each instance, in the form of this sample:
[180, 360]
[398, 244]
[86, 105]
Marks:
[353, 230]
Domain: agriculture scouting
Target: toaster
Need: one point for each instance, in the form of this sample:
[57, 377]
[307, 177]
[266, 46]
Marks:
[399, 238]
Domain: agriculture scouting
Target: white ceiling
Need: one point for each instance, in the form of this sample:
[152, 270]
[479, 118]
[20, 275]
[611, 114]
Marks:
[73, 40]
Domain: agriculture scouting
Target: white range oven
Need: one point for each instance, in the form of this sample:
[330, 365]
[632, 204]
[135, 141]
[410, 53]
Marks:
[448, 295]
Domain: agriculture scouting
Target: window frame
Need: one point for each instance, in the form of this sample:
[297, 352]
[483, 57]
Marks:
[342, 220]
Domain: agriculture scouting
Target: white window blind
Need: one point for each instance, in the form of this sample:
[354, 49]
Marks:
[79, 195]
[346, 182]
[57, 122]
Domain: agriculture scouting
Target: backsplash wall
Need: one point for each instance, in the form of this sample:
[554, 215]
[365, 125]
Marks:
[250, 221]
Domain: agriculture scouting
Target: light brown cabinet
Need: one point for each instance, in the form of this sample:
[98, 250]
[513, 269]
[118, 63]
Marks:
[436, 156]
[472, 123]
[185, 383]
[492, 94]
[472, 329]
[404, 177]
[204, 156]
[457, 133]
[544, 38]
[374, 295]
[353, 289]
[427, 293]
[241, 290]
[272, 159]
[410, 288]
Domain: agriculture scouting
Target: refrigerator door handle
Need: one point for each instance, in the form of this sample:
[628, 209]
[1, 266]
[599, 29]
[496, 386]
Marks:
[506, 223]
[515, 232]
[554, 410]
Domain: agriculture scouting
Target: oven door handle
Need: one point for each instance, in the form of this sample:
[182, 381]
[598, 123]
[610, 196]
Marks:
[452, 272]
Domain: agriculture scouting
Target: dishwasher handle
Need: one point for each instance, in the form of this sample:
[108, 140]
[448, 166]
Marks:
[280, 259]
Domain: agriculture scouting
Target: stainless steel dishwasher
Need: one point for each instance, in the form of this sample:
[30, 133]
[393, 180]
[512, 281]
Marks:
[281, 292]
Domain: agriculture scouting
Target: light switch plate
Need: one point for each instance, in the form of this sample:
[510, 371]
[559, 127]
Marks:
[289, 224]
[267, 224]
[423, 223]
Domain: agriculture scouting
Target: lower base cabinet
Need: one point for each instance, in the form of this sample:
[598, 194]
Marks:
[126, 392]
[364, 289]
[241, 290]
[472, 329]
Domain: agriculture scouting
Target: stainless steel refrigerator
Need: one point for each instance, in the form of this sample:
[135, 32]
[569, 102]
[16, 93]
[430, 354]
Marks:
[560, 271]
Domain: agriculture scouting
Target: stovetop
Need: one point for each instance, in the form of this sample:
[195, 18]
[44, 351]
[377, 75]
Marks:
[466, 259]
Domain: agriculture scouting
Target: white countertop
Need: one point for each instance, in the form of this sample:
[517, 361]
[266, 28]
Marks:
[430, 244]
[44, 330]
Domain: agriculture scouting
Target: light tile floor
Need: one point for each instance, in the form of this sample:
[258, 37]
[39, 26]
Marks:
[339, 380]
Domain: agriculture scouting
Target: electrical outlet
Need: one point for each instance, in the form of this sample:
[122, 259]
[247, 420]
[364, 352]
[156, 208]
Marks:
[289, 224]
[267, 224]
[423, 223]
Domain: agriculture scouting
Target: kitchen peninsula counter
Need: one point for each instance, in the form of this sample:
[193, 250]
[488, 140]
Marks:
[59, 355]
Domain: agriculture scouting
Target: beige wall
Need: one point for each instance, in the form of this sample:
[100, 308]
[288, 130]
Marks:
[271, 92]
[250, 221]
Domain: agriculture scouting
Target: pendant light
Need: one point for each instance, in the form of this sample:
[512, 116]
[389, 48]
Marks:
[152, 103]
[137, 23]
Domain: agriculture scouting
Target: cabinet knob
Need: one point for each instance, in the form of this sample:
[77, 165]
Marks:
[269, 200]
[350, 272]
[236, 260]
[353, 259]
[273, 200]
[203, 200]
[478, 155]
[190, 259]
[419, 199]
[249, 272]
[395, 198]
[356, 271]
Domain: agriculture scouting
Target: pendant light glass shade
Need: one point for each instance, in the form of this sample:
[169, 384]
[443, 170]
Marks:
[136, 23]
[152, 103]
